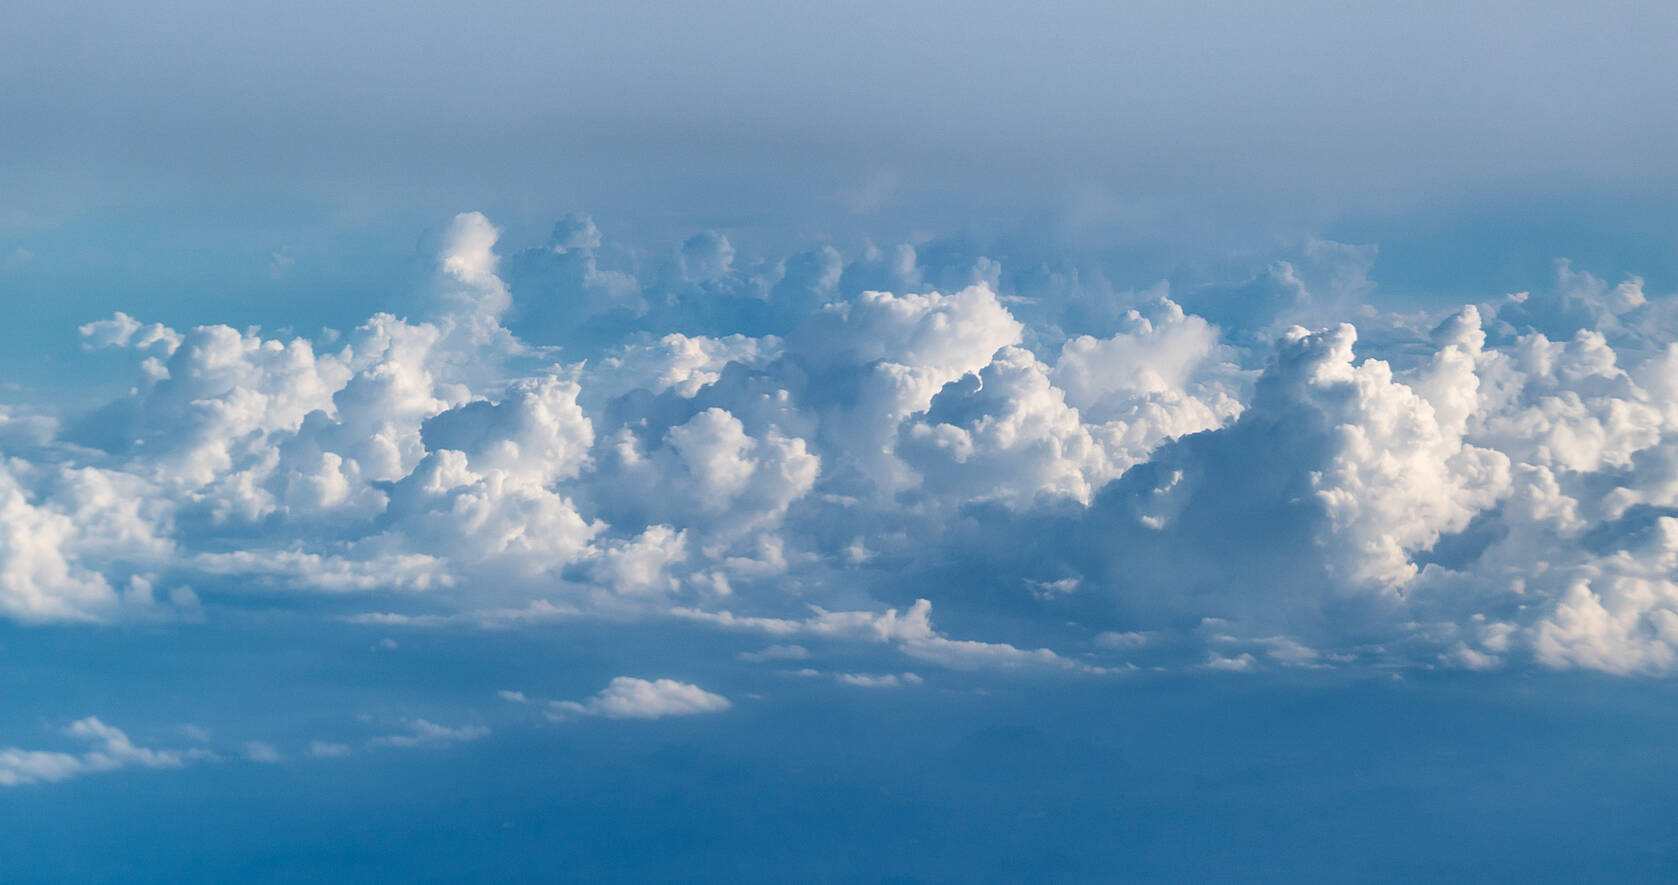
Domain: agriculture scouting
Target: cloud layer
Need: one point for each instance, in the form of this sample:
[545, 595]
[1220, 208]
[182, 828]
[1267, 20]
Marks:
[1273, 473]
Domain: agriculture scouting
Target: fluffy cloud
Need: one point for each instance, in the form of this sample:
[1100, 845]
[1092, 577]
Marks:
[1018, 429]
[627, 697]
[709, 473]
[680, 362]
[74, 544]
[1398, 473]
[732, 438]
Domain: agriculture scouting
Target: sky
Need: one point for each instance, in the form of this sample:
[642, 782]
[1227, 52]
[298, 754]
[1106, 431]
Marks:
[914, 442]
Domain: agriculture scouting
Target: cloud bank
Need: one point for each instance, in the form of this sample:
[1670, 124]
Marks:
[1277, 472]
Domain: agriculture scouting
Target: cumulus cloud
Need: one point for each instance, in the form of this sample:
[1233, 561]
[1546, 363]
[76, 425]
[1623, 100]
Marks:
[681, 363]
[74, 543]
[780, 445]
[627, 697]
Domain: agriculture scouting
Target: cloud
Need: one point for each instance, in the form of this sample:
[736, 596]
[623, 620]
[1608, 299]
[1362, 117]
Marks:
[909, 631]
[426, 735]
[1238, 664]
[886, 680]
[73, 543]
[798, 445]
[328, 750]
[627, 697]
[776, 653]
[259, 751]
[1122, 640]
[109, 749]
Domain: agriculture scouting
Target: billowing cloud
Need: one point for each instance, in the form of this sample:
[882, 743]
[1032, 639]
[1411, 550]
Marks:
[798, 447]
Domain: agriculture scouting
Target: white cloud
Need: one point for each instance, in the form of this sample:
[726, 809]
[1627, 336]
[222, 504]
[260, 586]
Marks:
[423, 734]
[1237, 664]
[109, 749]
[776, 653]
[885, 680]
[59, 530]
[1123, 640]
[328, 750]
[683, 363]
[1005, 434]
[627, 697]
[259, 751]
[1482, 487]
[910, 631]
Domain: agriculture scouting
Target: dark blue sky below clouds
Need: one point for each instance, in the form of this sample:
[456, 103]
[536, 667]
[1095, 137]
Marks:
[882, 442]
[1157, 778]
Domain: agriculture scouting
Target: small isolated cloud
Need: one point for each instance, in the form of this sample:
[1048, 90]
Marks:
[1291, 652]
[539, 612]
[1052, 589]
[278, 264]
[109, 749]
[1125, 640]
[424, 734]
[887, 680]
[516, 697]
[258, 751]
[328, 750]
[630, 698]
[776, 653]
[1238, 664]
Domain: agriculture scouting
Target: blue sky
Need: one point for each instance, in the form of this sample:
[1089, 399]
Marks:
[882, 443]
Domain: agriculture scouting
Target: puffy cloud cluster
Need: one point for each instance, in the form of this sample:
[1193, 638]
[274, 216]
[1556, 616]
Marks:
[77, 544]
[728, 440]
[1398, 473]
[1018, 428]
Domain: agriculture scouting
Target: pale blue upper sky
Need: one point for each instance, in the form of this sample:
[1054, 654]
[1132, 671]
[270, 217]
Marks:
[1287, 111]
